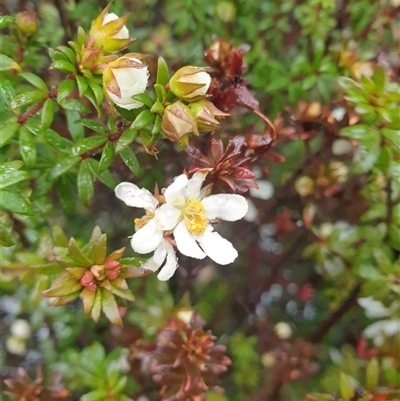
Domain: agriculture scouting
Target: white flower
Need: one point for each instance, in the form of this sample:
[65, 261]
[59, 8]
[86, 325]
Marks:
[188, 213]
[149, 236]
[124, 78]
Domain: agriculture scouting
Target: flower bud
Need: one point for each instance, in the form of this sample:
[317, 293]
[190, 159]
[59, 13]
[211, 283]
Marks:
[92, 60]
[190, 83]
[124, 78]
[27, 22]
[206, 115]
[109, 32]
[112, 269]
[88, 281]
[178, 122]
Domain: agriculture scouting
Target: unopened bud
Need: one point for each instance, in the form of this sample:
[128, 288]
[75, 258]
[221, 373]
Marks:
[109, 32]
[190, 83]
[27, 22]
[206, 115]
[218, 53]
[178, 122]
[88, 281]
[124, 78]
[112, 269]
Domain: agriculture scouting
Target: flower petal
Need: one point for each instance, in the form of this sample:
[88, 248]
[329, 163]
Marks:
[225, 207]
[171, 263]
[147, 239]
[174, 194]
[157, 259]
[186, 243]
[194, 185]
[217, 248]
[167, 217]
[135, 196]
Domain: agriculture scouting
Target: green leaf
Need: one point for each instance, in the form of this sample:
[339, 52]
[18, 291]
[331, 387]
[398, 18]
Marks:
[5, 237]
[47, 114]
[56, 141]
[75, 128]
[372, 375]
[59, 237]
[27, 147]
[97, 91]
[63, 66]
[346, 384]
[34, 125]
[392, 135]
[130, 160]
[82, 84]
[65, 89]
[15, 203]
[145, 99]
[7, 63]
[96, 310]
[77, 255]
[85, 183]
[87, 297]
[127, 137]
[8, 130]
[65, 192]
[104, 176]
[107, 156]
[162, 72]
[156, 128]
[90, 96]
[48, 268]
[7, 91]
[9, 178]
[65, 288]
[143, 119]
[74, 105]
[34, 80]
[95, 395]
[67, 52]
[110, 307]
[6, 20]
[122, 293]
[63, 166]
[93, 125]
[25, 98]
[91, 143]
[98, 250]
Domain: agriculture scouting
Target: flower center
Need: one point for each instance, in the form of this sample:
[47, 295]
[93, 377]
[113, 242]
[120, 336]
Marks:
[195, 217]
[144, 220]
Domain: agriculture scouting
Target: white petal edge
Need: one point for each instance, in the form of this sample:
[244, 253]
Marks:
[147, 239]
[174, 194]
[136, 197]
[185, 242]
[157, 259]
[217, 248]
[171, 264]
[225, 207]
[193, 186]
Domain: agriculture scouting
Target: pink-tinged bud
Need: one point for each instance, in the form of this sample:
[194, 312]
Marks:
[113, 269]
[90, 59]
[124, 78]
[190, 83]
[27, 22]
[206, 115]
[178, 122]
[88, 281]
[109, 32]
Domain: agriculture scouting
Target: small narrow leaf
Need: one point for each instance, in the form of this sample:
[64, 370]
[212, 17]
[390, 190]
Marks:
[97, 91]
[68, 52]
[90, 144]
[162, 72]
[74, 105]
[110, 307]
[88, 298]
[93, 125]
[63, 66]
[104, 176]
[127, 137]
[27, 147]
[372, 375]
[106, 157]
[56, 141]
[96, 309]
[7, 63]
[12, 177]
[65, 192]
[82, 84]
[98, 250]
[26, 98]
[75, 128]
[143, 119]
[63, 166]
[65, 288]
[130, 160]
[65, 89]
[34, 80]
[77, 255]
[8, 130]
[60, 239]
[85, 184]
[47, 114]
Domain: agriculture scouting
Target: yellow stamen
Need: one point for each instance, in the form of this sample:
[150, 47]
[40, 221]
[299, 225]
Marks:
[194, 215]
[144, 220]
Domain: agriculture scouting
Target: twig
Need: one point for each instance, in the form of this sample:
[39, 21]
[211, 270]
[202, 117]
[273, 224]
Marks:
[336, 315]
